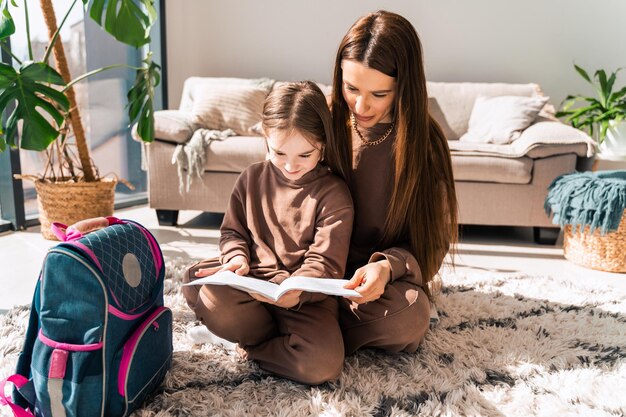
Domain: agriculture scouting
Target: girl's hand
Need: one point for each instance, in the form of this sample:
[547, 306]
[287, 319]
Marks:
[370, 281]
[238, 264]
[288, 299]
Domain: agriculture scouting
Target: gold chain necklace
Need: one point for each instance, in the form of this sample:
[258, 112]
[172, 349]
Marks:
[365, 141]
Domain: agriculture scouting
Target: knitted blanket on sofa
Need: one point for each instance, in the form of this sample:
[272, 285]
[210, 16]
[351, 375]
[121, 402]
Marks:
[594, 199]
[191, 156]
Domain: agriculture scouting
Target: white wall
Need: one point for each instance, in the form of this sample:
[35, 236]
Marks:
[463, 40]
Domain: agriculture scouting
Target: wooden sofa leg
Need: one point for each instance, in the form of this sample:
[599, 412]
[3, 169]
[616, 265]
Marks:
[546, 235]
[167, 217]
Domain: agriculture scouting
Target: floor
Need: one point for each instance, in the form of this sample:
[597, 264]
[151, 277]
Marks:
[503, 249]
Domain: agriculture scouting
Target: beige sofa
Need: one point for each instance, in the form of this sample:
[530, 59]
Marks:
[496, 184]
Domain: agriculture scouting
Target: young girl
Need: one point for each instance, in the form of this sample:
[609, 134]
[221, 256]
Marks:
[289, 215]
[401, 183]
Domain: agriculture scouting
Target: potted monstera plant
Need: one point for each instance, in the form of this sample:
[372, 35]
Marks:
[42, 114]
[603, 116]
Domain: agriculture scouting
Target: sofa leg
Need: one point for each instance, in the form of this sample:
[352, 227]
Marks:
[167, 217]
[546, 235]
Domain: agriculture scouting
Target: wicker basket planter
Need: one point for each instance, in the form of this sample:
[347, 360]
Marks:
[596, 251]
[69, 202]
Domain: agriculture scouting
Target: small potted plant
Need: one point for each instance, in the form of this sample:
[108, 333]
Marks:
[604, 116]
[44, 115]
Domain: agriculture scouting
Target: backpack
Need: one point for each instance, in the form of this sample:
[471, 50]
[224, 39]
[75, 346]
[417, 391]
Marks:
[99, 339]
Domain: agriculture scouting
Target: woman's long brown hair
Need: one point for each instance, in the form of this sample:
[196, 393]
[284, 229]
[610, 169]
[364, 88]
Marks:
[423, 201]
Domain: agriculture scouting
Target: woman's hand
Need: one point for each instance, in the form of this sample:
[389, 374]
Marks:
[288, 299]
[370, 281]
[238, 264]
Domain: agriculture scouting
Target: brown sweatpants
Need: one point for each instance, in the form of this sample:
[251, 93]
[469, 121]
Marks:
[396, 322]
[304, 345]
[308, 345]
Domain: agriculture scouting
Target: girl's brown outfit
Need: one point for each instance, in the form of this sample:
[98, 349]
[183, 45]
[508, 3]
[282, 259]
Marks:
[398, 320]
[283, 228]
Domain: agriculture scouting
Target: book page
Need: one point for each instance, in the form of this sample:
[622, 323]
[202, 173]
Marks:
[328, 286]
[247, 284]
[273, 291]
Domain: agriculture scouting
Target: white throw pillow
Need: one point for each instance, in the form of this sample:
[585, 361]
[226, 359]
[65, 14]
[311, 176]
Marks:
[501, 119]
[221, 107]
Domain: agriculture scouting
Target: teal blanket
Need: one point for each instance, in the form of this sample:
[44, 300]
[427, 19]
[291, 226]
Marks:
[594, 199]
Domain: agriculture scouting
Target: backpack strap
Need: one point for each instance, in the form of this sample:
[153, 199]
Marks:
[22, 385]
[81, 228]
[24, 396]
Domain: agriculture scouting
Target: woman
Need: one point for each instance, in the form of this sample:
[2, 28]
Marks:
[401, 183]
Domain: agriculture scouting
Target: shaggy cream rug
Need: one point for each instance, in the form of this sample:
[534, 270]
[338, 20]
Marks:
[505, 345]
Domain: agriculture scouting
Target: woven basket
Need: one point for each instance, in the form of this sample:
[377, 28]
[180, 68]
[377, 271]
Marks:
[593, 250]
[69, 202]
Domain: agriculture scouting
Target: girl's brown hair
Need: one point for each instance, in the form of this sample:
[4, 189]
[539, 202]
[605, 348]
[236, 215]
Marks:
[302, 106]
[424, 198]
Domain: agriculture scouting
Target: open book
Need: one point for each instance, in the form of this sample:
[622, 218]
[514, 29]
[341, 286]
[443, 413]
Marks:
[274, 291]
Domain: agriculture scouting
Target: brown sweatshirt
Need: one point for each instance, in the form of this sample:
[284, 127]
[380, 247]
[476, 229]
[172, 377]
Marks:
[371, 187]
[285, 227]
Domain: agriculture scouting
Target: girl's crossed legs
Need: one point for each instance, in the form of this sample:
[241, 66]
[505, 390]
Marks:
[304, 345]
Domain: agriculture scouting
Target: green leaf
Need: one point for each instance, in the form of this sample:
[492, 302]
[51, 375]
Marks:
[588, 110]
[601, 76]
[7, 25]
[96, 12]
[583, 73]
[563, 113]
[571, 101]
[608, 115]
[610, 83]
[602, 91]
[141, 99]
[604, 126]
[615, 98]
[128, 21]
[41, 72]
[41, 108]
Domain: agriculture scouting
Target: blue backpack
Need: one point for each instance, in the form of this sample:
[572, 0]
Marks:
[99, 339]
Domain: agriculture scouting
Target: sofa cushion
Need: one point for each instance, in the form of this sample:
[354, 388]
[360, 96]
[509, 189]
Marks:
[236, 107]
[501, 119]
[234, 154]
[193, 85]
[173, 126]
[492, 169]
[456, 100]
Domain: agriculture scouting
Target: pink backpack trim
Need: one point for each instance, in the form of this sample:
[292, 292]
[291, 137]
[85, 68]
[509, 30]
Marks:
[68, 346]
[89, 253]
[19, 381]
[129, 349]
[154, 247]
[124, 316]
[58, 363]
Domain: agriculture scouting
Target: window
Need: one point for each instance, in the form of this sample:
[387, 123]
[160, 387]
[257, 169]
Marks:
[101, 100]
